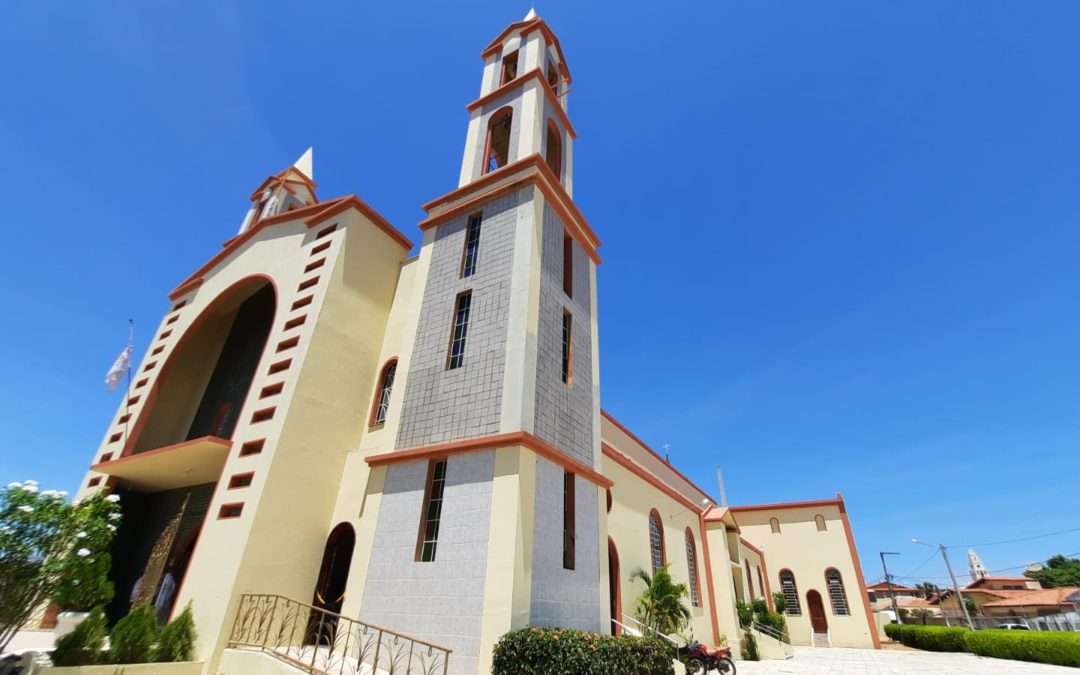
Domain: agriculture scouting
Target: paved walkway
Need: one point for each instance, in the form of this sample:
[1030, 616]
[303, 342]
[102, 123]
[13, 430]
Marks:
[810, 661]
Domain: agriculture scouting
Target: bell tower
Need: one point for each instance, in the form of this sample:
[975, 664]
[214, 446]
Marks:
[495, 469]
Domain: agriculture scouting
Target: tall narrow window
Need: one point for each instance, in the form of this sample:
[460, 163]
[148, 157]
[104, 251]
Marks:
[553, 76]
[749, 581]
[497, 152]
[386, 385]
[761, 584]
[456, 357]
[472, 245]
[656, 541]
[553, 149]
[691, 565]
[774, 524]
[791, 593]
[509, 67]
[819, 520]
[837, 596]
[432, 513]
[568, 264]
[567, 349]
[568, 555]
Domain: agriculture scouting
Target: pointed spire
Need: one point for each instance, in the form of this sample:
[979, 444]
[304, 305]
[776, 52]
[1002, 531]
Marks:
[304, 164]
[531, 15]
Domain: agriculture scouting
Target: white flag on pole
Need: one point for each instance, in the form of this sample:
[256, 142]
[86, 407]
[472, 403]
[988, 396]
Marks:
[119, 368]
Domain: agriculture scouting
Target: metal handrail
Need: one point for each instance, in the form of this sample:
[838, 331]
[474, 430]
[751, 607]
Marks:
[319, 641]
[771, 632]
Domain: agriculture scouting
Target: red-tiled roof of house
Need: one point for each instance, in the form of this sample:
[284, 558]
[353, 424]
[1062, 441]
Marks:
[1046, 597]
[884, 586]
[980, 582]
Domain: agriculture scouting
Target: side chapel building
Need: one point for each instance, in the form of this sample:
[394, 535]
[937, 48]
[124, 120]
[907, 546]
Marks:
[418, 442]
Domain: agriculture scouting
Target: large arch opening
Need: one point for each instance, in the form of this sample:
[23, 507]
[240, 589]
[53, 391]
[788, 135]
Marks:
[203, 385]
[497, 147]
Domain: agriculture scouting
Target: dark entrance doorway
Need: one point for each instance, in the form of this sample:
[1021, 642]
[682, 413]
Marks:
[330, 588]
[817, 612]
[613, 587]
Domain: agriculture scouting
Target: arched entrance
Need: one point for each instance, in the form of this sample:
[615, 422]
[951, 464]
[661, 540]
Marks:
[817, 612]
[614, 587]
[330, 588]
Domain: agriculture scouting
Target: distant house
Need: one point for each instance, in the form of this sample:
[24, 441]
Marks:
[881, 590]
[1005, 584]
[1027, 603]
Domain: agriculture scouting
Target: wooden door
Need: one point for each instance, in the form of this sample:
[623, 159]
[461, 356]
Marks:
[817, 612]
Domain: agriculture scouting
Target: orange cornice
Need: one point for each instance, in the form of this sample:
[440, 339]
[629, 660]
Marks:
[628, 464]
[527, 27]
[753, 548]
[863, 596]
[352, 201]
[645, 445]
[312, 215]
[283, 177]
[520, 81]
[789, 505]
[522, 438]
[533, 171]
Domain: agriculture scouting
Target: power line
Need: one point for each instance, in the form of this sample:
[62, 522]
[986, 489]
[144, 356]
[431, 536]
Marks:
[1001, 569]
[1010, 541]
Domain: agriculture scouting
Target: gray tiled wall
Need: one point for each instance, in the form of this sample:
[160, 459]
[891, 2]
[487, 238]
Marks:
[440, 601]
[561, 597]
[564, 415]
[443, 405]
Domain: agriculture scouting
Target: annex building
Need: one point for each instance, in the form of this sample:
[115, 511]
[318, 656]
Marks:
[326, 426]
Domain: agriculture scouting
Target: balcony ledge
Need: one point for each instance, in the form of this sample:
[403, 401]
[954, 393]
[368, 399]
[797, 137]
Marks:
[193, 462]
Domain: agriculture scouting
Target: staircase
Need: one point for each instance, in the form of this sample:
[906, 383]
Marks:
[820, 639]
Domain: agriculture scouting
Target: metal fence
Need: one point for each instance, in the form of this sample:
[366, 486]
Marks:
[1066, 621]
[330, 644]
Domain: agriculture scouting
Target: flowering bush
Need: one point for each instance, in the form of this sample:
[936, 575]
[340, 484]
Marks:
[51, 548]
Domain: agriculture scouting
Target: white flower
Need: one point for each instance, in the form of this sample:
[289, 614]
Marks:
[14, 486]
[48, 493]
[113, 498]
[112, 528]
[75, 582]
[80, 535]
[29, 488]
[31, 482]
[83, 552]
[26, 509]
[61, 493]
[115, 516]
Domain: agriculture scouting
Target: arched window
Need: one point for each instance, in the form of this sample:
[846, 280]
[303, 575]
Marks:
[775, 525]
[553, 149]
[791, 593]
[382, 394]
[761, 585]
[656, 541]
[749, 581]
[691, 564]
[497, 149]
[819, 520]
[837, 596]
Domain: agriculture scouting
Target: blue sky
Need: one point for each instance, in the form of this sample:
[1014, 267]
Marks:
[839, 237]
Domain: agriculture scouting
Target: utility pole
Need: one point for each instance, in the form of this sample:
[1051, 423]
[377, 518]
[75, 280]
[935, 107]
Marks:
[888, 580]
[956, 586]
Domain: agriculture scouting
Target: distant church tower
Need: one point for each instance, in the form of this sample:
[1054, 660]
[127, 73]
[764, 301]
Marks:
[976, 568]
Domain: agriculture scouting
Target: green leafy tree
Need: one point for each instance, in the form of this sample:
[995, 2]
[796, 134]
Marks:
[972, 606]
[780, 602]
[1059, 571]
[51, 548]
[928, 589]
[83, 646]
[921, 614]
[660, 606]
[177, 640]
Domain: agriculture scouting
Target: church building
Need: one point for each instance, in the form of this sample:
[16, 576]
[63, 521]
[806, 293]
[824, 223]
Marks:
[332, 436]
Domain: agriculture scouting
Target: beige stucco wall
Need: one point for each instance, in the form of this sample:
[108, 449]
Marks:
[807, 552]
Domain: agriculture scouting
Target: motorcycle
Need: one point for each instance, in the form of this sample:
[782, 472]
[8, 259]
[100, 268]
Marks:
[700, 659]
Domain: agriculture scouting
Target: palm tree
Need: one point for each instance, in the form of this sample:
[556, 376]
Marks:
[660, 606]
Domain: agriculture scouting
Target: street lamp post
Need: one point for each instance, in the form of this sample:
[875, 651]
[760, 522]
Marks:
[956, 587]
[888, 580]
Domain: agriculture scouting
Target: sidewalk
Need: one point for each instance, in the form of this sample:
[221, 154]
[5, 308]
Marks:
[810, 661]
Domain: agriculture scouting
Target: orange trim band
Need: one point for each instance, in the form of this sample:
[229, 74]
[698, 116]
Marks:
[521, 438]
[526, 27]
[157, 451]
[352, 201]
[643, 474]
[864, 598]
[790, 505]
[521, 81]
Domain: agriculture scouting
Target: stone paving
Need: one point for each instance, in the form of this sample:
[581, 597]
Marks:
[810, 661]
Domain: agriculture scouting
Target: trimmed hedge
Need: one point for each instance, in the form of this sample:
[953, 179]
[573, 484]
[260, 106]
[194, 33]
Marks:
[559, 651]
[892, 631]
[934, 638]
[1057, 648]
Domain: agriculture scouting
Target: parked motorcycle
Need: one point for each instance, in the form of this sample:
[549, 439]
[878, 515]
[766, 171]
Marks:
[701, 659]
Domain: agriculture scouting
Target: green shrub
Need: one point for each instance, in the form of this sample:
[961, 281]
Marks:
[82, 646]
[544, 651]
[749, 650]
[934, 638]
[1057, 648]
[892, 631]
[132, 638]
[177, 640]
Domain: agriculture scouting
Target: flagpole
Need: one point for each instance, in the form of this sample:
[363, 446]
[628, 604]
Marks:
[127, 396]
